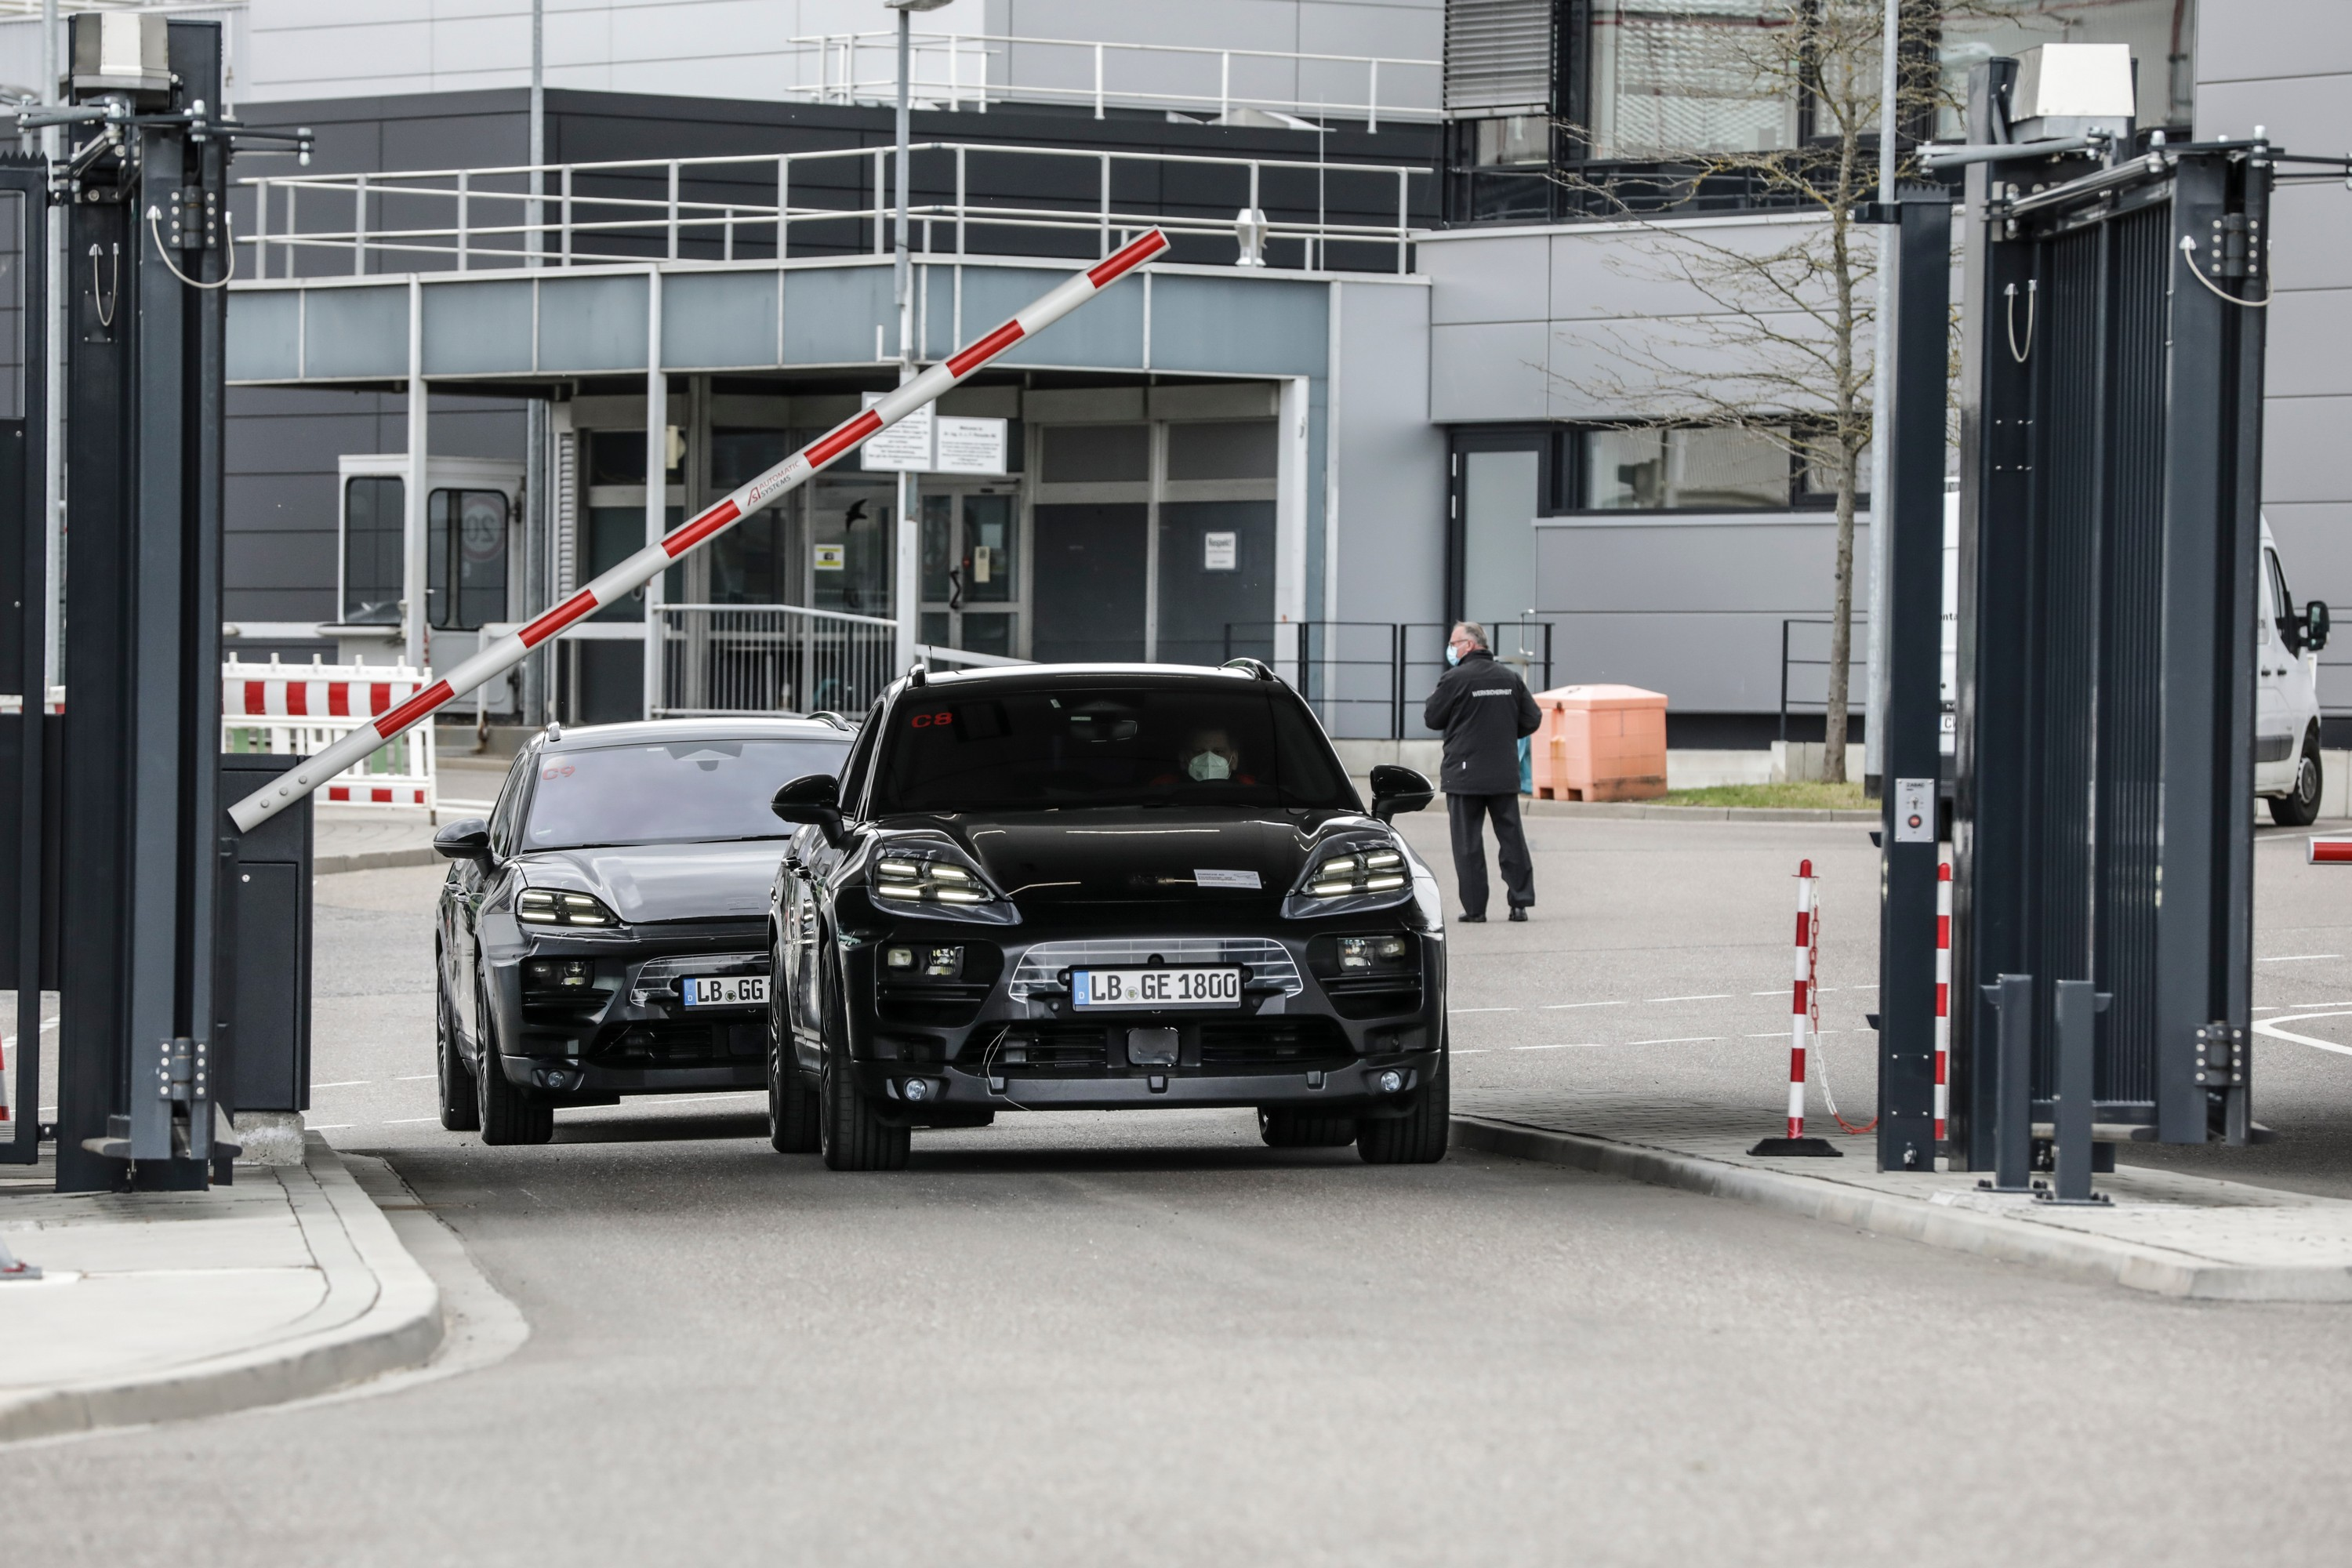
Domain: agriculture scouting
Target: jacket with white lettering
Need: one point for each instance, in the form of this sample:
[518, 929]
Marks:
[1484, 708]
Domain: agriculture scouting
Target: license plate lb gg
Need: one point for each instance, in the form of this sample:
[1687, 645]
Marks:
[1158, 986]
[725, 990]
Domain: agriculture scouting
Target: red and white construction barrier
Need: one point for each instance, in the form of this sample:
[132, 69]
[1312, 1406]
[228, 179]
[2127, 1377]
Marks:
[7, 1082]
[642, 567]
[1943, 994]
[2329, 852]
[306, 710]
[1804, 1017]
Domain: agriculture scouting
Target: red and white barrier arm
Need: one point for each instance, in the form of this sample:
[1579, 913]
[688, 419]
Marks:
[2329, 852]
[641, 568]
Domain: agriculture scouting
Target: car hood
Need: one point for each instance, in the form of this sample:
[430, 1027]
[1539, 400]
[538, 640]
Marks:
[655, 882]
[1158, 854]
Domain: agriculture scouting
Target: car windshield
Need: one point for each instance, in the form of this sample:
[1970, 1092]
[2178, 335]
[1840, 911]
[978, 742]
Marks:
[673, 792]
[1084, 745]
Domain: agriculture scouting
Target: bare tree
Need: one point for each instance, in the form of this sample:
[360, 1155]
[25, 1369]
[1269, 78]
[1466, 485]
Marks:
[1779, 350]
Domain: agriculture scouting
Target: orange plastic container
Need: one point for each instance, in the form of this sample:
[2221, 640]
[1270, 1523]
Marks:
[1600, 742]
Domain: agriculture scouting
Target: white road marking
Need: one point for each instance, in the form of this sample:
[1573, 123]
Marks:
[642, 1102]
[2271, 1026]
[1712, 996]
[1565, 1045]
[47, 1024]
[347, 1083]
[404, 1120]
[1677, 1040]
[330, 1126]
[1470, 1051]
[1451, 1011]
[1563, 1006]
[2298, 957]
[1775, 991]
[416, 1077]
[1768, 1035]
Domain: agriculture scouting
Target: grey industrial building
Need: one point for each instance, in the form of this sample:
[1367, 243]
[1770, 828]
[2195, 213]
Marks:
[1396, 418]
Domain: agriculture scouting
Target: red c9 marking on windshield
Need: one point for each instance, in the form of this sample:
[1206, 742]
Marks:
[926, 720]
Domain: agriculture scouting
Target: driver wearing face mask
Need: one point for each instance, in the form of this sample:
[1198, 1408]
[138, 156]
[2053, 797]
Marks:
[1209, 757]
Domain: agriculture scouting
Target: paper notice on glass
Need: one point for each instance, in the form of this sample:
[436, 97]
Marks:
[969, 445]
[904, 448]
[832, 557]
[1220, 552]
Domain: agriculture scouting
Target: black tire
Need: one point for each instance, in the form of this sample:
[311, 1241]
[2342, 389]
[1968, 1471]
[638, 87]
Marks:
[2299, 806]
[459, 1114]
[854, 1139]
[792, 1119]
[1285, 1129]
[1416, 1138]
[507, 1114]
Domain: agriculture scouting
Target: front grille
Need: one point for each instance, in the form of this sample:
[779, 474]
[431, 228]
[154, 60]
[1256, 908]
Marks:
[1035, 1049]
[1374, 996]
[1278, 1043]
[1267, 962]
[942, 1004]
[667, 1045]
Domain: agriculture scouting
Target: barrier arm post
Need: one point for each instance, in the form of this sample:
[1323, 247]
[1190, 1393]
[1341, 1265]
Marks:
[648, 563]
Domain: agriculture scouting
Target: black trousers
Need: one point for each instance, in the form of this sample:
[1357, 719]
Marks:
[1467, 814]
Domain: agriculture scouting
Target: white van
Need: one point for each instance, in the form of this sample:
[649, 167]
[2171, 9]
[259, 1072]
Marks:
[2286, 679]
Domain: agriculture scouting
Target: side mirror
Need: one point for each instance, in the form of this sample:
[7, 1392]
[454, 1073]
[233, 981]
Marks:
[2315, 625]
[812, 797]
[1396, 789]
[466, 840]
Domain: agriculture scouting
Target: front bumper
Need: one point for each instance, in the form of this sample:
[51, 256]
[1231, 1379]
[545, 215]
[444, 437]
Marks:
[1304, 1038]
[628, 1030]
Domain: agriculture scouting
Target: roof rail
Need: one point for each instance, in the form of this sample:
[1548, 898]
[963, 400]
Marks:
[838, 721]
[1256, 668]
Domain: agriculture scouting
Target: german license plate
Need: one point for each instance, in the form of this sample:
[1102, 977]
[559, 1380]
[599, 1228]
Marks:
[1156, 987]
[725, 990]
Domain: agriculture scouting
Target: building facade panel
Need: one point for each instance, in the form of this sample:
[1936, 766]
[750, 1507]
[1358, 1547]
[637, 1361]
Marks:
[830, 314]
[477, 329]
[593, 323]
[355, 334]
[1260, 326]
[265, 337]
[1492, 371]
[714, 320]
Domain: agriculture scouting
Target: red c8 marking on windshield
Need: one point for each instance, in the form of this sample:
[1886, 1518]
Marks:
[562, 770]
[926, 720]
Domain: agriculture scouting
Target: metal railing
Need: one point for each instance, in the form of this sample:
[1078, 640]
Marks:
[1046, 201]
[726, 659]
[1857, 671]
[1377, 674]
[956, 69]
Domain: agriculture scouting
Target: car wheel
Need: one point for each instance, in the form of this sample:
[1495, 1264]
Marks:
[506, 1114]
[1416, 1138]
[792, 1108]
[853, 1138]
[2300, 808]
[1285, 1129]
[459, 1114]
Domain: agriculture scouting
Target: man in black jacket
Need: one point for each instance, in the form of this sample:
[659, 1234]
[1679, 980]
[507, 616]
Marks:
[1484, 708]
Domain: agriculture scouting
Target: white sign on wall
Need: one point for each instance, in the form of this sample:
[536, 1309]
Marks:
[904, 448]
[1220, 552]
[969, 446]
[832, 557]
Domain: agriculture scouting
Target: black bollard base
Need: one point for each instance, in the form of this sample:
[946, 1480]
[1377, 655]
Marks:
[1812, 1148]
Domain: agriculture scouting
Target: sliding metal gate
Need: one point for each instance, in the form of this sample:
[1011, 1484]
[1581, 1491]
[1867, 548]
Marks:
[2112, 437]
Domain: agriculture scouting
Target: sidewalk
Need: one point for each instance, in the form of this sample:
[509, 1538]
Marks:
[163, 1306]
[357, 838]
[2165, 1232]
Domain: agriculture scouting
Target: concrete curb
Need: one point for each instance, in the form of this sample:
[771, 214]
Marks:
[2098, 1259]
[1647, 811]
[372, 861]
[381, 1312]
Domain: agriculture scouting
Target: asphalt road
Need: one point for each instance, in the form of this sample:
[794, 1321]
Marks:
[1095, 1339]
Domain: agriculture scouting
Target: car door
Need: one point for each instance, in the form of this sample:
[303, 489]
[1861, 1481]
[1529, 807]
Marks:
[467, 889]
[2299, 666]
[2274, 743]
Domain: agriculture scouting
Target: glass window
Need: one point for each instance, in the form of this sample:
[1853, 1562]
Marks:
[1701, 469]
[1685, 78]
[373, 527]
[618, 456]
[11, 305]
[1222, 450]
[1516, 139]
[466, 529]
[852, 541]
[1081, 744]
[2162, 35]
[679, 792]
[1097, 453]
[1500, 498]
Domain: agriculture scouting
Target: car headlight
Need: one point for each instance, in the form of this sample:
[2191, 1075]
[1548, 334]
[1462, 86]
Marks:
[1357, 954]
[1355, 876]
[937, 883]
[554, 907]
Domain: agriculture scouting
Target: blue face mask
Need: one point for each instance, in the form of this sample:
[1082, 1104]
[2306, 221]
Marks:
[1452, 654]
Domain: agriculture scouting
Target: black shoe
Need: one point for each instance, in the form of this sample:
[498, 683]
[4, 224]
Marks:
[1470, 920]
[1518, 911]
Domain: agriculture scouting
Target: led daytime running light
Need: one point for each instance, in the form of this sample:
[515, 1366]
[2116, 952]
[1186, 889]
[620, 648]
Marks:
[1366, 871]
[554, 907]
[926, 881]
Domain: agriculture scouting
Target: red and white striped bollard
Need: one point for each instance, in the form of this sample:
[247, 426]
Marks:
[1943, 995]
[1800, 1010]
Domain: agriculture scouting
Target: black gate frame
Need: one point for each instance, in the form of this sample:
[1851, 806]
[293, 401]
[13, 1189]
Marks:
[2111, 512]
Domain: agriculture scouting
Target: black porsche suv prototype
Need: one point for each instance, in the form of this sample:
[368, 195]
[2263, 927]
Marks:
[1102, 888]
